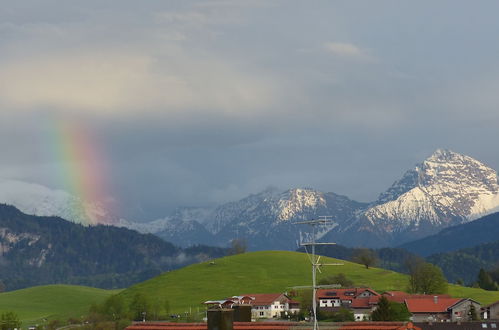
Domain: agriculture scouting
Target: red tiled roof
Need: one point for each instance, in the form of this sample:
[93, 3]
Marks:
[264, 298]
[419, 305]
[341, 293]
[203, 326]
[379, 326]
[400, 296]
[367, 302]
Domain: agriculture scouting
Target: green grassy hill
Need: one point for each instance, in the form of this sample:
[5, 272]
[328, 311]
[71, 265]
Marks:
[267, 271]
[51, 301]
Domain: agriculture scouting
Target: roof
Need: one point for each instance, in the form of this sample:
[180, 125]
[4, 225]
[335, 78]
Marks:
[343, 294]
[379, 326]
[273, 326]
[418, 305]
[364, 302]
[401, 296]
[265, 298]
[204, 326]
[463, 326]
[490, 305]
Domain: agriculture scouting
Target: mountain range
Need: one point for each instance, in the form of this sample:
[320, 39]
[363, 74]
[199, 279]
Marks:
[43, 250]
[444, 190]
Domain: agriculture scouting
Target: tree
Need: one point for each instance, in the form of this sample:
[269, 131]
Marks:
[473, 316]
[238, 246]
[485, 281]
[427, 279]
[9, 320]
[340, 279]
[139, 307]
[390, 311]
[365, 257]
[400, 311]
[383, 312]
[114, 307]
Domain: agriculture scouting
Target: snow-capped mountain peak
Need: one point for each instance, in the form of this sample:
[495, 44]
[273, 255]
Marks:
[445, 188]
[36, 199]
[298, 200]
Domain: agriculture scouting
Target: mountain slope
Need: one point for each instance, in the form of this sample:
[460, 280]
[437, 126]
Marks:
[483, 230]
[44, 250]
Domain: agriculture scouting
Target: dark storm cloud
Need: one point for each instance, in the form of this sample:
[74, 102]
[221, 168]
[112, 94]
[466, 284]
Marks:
[196, 103]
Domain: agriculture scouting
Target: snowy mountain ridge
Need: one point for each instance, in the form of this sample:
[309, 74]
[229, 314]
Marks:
[36, 199]
[446, 189]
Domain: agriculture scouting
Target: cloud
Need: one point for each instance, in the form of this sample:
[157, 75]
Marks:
[111, 81]
[345, 50]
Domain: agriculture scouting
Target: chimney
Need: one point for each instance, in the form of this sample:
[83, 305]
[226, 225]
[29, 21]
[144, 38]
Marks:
[220, 319]
[435, 299]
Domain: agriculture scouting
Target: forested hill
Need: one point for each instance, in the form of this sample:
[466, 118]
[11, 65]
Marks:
[43, 250]
[465, 264]
[483, 230]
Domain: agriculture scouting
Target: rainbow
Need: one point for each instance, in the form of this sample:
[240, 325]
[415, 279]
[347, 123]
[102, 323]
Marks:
[83, 172]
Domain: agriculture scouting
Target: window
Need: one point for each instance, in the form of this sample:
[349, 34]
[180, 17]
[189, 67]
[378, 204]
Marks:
[261, 313]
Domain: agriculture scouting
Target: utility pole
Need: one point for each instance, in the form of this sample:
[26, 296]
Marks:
[323, 220]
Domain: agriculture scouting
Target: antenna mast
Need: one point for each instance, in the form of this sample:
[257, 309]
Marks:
[323, 220]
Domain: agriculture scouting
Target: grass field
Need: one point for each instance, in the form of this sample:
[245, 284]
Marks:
[187, 288]
[267, 271]
[34, 304]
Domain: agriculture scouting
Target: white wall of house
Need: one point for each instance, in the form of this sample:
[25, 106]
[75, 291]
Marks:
[261, 311]
[329, 302]
[271, 311]
[361, 315]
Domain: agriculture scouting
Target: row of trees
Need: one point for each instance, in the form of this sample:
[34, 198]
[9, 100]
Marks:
[117, 311]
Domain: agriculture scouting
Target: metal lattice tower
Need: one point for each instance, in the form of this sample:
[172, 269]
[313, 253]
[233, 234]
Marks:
[315, 261]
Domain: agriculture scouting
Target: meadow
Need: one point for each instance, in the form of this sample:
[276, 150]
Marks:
[35, 304]
[266, 272]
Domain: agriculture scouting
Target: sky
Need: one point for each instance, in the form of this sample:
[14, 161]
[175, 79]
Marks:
[196, 103]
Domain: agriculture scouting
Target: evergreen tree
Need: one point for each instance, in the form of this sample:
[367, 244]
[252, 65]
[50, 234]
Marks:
[473, 316]
[485, 281]
[383, 312]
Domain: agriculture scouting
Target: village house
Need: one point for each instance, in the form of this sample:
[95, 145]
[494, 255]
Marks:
[272, 305]
[439, 309]
[490, 312]
[263, 305]
[361, 301]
